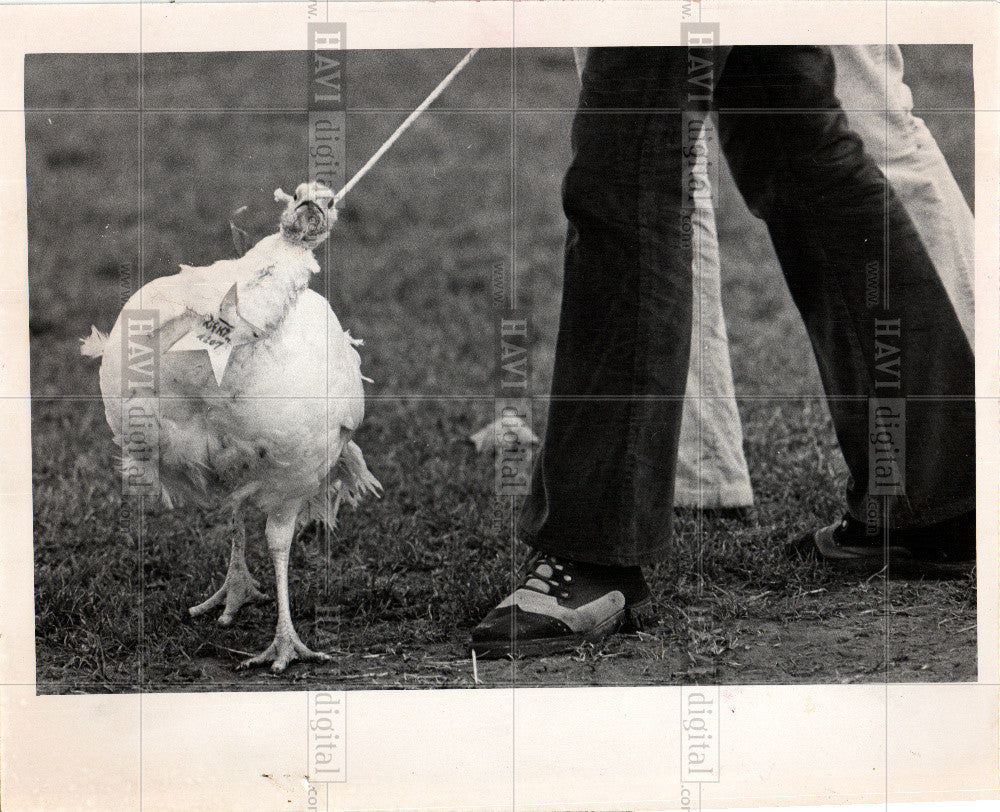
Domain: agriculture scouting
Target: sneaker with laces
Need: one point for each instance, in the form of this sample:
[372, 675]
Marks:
[943, 550]
[561, 604]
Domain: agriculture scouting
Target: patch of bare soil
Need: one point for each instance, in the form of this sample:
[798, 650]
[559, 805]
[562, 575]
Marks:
[846, 633]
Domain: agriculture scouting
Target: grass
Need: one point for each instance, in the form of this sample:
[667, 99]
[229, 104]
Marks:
[395, 591]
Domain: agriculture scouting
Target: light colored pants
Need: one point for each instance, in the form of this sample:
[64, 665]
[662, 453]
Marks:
[711, 468]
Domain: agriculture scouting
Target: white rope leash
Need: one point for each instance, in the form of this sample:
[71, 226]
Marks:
[404, 126]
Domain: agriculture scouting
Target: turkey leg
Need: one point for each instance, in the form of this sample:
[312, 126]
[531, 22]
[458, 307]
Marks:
[286, 646]
[239, 587]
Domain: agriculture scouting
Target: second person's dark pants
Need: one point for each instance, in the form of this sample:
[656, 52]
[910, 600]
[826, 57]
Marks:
[602, 490]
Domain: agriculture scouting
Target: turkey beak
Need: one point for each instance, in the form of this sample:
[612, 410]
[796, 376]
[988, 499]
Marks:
[313, 220]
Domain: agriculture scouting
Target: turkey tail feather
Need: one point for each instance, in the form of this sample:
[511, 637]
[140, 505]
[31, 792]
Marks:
[358, 481]
[348, 481]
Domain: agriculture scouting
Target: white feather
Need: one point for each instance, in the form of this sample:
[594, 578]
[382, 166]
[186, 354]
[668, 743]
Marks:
[93, 345]
[288, 402]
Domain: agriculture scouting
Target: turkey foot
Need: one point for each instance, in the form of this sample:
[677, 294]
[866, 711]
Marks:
[285, 648]
[240, 587]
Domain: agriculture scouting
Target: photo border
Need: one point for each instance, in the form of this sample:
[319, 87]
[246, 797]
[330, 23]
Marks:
[572, 748]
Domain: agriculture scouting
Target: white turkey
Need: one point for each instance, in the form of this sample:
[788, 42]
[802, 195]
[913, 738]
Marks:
[259, 392]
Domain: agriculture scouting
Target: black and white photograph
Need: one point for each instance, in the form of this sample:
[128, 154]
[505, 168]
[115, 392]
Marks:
[386, 371]
[268, 419]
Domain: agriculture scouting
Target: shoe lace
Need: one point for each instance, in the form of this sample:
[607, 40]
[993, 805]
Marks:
[547, 575]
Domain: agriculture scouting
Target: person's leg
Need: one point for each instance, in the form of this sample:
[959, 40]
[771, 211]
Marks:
[879, 108]
[835, 224]
[601, 499]
[602, 491]
[711, 470]
[711, 467]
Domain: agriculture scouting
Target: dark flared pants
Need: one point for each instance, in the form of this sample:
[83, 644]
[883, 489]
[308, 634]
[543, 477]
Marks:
[602, 488]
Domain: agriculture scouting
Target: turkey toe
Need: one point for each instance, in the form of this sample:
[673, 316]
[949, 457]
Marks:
[284, 649]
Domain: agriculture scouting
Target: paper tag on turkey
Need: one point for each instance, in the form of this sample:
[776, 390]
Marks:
[219, 334]
[216, 332]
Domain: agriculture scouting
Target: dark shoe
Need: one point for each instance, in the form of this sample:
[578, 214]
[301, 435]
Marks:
[943, 550]
[561, 604]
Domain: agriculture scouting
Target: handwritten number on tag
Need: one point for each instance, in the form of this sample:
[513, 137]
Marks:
[216, 331]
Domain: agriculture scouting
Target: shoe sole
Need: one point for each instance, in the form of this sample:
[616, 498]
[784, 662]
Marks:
[629, 619]
[920, 568]
[820, 546]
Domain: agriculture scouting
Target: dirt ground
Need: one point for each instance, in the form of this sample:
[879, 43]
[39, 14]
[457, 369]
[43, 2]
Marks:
[843, 633]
